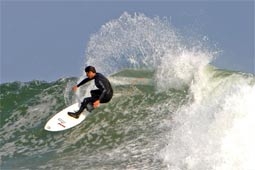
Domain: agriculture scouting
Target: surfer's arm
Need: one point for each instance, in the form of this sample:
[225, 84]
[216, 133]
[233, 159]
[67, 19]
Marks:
[83, 82]
[103, 89]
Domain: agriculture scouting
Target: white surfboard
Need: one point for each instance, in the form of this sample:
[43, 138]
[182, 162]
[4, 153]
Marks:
[62, 121]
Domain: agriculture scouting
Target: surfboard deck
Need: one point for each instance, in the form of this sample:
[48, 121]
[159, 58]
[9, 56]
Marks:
[62, 121]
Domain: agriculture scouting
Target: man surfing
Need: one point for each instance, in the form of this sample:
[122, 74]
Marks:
[103, 94]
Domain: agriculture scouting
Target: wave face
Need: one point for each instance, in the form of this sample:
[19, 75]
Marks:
[170, 110]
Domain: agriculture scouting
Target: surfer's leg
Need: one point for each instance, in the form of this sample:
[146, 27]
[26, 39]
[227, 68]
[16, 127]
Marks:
[83, 106]
[89, 107]
[95, 93]
[86, 104]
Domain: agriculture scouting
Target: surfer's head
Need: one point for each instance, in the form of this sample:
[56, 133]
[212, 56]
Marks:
[90, 68]
[90, 72]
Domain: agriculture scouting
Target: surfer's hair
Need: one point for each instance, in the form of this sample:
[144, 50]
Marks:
[90, 68]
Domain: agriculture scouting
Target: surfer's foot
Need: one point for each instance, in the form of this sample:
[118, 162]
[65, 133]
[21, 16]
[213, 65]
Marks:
[74, 115]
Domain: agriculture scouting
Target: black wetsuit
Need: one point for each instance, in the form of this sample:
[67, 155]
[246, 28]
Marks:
[104, 92]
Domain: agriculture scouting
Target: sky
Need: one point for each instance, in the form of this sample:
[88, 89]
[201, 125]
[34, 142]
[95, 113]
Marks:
[46, 40]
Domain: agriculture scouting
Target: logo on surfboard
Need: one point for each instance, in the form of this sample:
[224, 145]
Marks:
[61, 122]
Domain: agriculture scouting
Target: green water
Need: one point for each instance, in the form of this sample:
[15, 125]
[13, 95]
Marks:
[129, 119]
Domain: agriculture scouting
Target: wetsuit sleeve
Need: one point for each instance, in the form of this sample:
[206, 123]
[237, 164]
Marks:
[83, 82]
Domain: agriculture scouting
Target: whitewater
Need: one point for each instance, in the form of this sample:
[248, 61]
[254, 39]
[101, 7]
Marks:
[171, 109]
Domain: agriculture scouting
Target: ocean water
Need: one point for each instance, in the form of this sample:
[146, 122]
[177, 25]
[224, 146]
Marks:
[171, 108]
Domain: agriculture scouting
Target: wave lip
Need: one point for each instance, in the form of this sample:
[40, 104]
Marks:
[214, 130]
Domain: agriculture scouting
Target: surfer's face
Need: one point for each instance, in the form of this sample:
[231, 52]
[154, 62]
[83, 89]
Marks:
[90, 74]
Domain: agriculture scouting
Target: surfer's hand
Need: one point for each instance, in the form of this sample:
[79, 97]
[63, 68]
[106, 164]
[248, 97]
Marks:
[96, 104]
[75, 88]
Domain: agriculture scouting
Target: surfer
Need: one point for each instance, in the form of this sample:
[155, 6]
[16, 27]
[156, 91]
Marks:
[103, 94]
